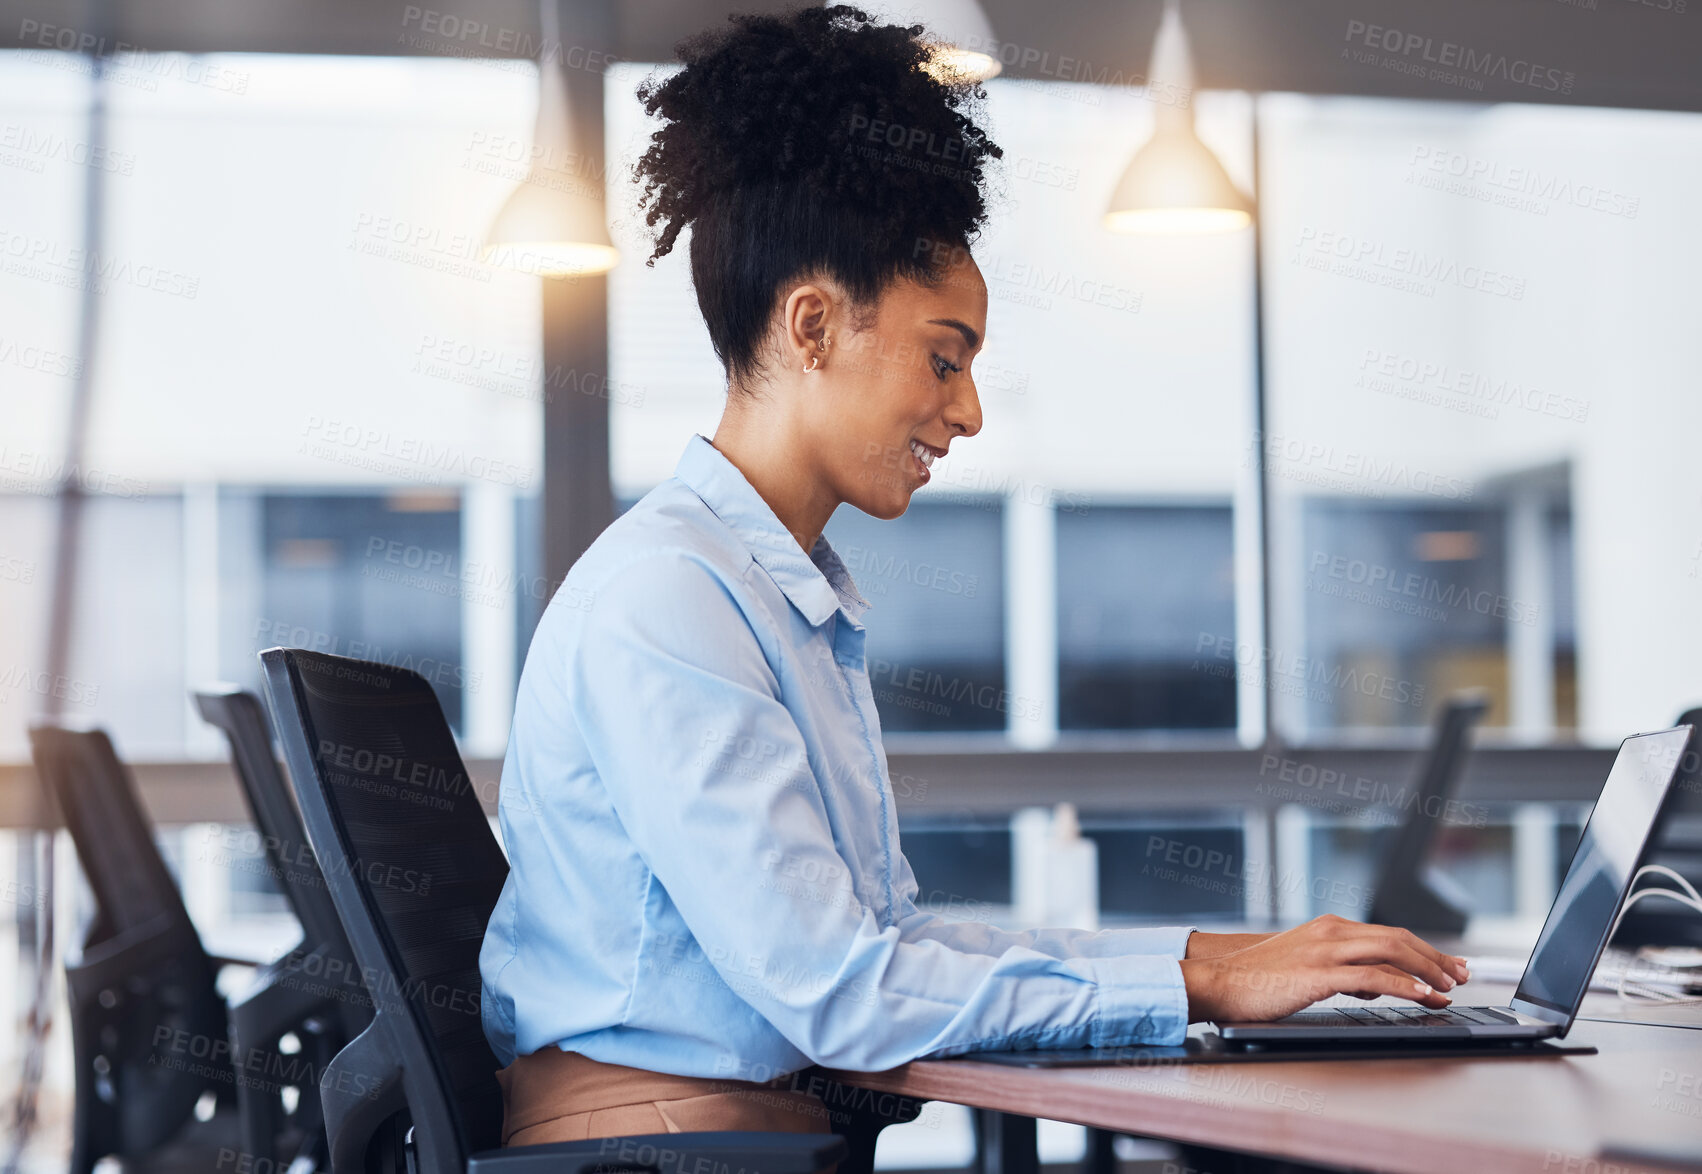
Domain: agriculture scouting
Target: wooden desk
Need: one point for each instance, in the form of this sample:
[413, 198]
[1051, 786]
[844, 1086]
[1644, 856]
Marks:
[1498, 1116]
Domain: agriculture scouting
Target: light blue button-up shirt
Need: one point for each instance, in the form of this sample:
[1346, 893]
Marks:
[706, 876]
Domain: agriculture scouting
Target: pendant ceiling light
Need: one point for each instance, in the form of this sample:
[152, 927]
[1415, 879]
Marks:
[553, 224]
[964, 48]
[1174, 184]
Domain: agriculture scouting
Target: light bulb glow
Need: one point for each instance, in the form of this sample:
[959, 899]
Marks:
[955, 66]
[1177, 221]
[551, 258]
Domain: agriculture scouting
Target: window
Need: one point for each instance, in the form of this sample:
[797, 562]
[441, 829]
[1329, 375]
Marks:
[298, 347]
[935, 645]
[1408, 601]
[1184, 865]
[1138, 587]
[374, 577]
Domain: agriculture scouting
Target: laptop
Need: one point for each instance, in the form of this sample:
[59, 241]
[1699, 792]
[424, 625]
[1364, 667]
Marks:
[1613, 843]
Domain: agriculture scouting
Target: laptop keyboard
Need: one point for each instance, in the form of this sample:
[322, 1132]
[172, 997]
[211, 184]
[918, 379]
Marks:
[1401, 1017]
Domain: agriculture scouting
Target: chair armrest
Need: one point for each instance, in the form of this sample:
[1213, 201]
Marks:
[276, 1003]
[670, 1153]
[112, 961]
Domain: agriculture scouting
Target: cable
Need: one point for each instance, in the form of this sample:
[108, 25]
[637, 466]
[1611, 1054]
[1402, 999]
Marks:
[1632, 991]
[1689, 889]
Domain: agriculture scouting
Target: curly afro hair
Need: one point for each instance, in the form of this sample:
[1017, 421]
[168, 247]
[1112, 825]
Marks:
[814, 142]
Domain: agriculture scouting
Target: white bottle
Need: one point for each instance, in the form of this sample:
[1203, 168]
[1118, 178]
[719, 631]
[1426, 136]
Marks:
[1072, 873]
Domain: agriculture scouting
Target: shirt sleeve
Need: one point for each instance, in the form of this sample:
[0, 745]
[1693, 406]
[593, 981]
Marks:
[972, 935]
[710, 777]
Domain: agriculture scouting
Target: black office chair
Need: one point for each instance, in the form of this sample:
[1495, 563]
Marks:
[148, 1027]
[1406, 891]
[1676, 843]
[414, 872]
[314, 992]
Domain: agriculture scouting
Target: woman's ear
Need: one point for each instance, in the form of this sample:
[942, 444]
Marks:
[804, 321]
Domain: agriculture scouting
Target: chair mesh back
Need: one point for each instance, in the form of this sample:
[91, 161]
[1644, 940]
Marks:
[115, 844]
[238, 713]
[419, 852]
[165, 1004]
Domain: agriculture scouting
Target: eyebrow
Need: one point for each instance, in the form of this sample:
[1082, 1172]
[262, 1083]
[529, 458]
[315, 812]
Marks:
[962, 328]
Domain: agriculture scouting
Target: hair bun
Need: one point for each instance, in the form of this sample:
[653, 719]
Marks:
[823, 98]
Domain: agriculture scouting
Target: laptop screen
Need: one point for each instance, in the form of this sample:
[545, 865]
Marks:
[1614, 836]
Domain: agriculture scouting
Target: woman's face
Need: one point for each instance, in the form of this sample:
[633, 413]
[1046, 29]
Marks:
[890, 399]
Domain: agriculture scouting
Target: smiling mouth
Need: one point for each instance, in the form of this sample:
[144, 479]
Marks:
[924, 457]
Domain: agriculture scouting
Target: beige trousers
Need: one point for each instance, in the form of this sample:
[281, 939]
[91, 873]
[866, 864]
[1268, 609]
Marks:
[552, 1095]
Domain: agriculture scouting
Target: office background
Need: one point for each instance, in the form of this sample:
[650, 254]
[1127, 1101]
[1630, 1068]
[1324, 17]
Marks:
[318, 418]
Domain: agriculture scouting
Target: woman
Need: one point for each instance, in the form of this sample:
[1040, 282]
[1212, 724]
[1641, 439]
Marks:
[707, 891]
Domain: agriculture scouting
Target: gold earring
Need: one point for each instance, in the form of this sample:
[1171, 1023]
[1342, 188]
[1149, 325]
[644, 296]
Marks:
[812, 364]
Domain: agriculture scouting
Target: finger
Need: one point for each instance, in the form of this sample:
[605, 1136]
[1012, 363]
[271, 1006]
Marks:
[1434, 965]
[1382, 948]
[1452, 963]
[1382, 981]
[1386, 947]
[1396, 972]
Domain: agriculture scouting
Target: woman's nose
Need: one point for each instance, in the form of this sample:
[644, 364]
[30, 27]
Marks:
[964, 411]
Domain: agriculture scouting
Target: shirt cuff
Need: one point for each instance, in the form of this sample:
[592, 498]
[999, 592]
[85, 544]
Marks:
[1142, 1000]
[1142, 940]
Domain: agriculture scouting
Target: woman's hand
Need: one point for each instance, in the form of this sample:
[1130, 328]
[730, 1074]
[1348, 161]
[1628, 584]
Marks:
[1283, 973]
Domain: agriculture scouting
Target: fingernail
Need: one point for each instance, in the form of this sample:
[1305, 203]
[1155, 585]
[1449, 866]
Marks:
[1423, 987]
[1447, 983]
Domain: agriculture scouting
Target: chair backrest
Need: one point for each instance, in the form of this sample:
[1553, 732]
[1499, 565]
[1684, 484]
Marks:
[97, 800]
[143, 994]
[239, 714]
[1675, 842]
[1684, 800]
[1404, 893]
[414, 872]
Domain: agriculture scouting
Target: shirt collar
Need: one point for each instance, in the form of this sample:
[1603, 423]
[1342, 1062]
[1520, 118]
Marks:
[818, 585]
